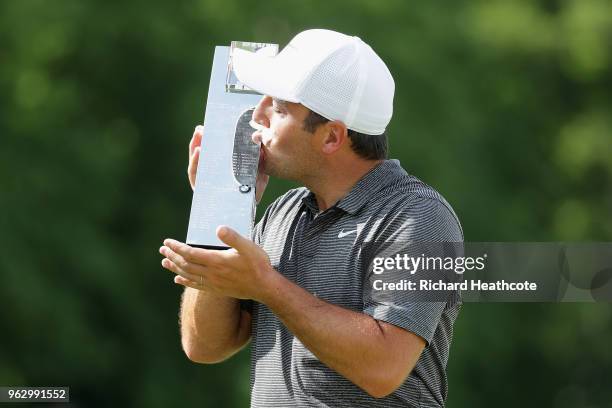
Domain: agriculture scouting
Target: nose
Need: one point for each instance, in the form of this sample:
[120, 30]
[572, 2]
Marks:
[260, 113]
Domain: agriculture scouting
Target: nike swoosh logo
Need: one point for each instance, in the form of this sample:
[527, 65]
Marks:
[343, 234]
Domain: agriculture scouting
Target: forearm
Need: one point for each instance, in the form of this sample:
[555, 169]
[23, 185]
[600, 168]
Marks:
[352, 343]
[212, 326]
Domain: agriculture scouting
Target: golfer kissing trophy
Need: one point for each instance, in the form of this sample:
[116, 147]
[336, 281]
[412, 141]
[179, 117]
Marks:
[224, 192]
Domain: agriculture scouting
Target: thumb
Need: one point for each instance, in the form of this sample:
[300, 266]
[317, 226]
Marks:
[234, 239]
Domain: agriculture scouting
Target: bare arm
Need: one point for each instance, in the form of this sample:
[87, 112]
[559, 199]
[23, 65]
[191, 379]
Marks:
[374, 355]
[213, 327]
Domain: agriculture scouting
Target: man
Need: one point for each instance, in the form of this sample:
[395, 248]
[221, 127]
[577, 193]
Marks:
[301, 293]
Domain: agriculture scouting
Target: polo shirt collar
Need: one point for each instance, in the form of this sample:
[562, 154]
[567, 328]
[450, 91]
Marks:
[377, 178]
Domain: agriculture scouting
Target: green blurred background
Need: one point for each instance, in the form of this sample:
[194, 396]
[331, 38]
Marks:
[504, 106]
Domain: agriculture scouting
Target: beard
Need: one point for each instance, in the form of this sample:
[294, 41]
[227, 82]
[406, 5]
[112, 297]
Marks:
[296, 163]
[281, 168]
[274, 169]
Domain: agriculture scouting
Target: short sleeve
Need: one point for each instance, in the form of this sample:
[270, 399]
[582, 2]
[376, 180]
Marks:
[256, 234]
[416, 230]
[420, 318]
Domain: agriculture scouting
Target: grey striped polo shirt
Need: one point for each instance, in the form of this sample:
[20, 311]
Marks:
[323, 253]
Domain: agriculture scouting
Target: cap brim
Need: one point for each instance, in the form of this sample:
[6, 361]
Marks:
[271, 76]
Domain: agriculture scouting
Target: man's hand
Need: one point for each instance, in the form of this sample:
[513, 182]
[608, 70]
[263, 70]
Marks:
[195, 146]
[374, 355]
[241, 272]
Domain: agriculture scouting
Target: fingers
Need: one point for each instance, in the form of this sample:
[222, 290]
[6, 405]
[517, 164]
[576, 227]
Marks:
[173, 267]
[190, 254]
[179, 258]
[196, 139]
[192, 168]
[234, 239]
[178, 279]
[195, 145]
[184, 260]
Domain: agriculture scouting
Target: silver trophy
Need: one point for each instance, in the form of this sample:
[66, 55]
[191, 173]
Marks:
[224, 193]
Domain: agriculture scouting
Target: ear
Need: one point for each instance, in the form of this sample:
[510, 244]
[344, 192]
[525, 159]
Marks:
[336, 135]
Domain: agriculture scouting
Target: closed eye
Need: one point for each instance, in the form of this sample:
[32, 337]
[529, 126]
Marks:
[279, 106]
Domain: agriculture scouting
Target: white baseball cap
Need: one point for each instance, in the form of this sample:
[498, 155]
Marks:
[335, 75]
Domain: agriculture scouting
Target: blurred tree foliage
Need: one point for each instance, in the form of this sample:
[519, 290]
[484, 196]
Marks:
[504, 106]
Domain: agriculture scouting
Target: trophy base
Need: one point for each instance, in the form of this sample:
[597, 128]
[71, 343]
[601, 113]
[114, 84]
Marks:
[208, 246]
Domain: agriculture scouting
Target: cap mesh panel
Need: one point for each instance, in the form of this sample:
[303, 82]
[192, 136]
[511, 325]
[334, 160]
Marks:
[330, 89]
